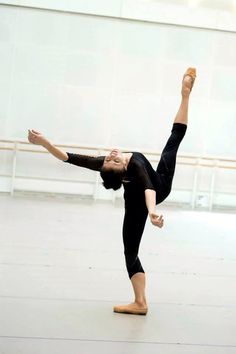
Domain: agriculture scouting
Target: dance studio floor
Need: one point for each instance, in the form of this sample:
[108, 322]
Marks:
[62, 270]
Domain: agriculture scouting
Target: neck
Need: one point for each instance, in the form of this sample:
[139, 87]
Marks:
[126, 158]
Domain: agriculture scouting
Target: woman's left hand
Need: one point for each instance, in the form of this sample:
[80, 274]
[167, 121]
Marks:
[156, 220]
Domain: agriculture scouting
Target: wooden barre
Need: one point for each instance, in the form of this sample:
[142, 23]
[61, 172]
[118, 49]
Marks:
[125, 149]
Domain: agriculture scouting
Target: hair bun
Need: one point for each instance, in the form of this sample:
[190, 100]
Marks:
[112, 179]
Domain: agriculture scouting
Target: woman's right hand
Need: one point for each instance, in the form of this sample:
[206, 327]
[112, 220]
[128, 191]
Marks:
[156, 220]
[36, 138]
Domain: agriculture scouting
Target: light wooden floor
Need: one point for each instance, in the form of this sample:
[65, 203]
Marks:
[62, 270]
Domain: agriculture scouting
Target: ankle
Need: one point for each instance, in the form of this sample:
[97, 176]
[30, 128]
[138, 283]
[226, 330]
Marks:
[185, 94]
[141, 302]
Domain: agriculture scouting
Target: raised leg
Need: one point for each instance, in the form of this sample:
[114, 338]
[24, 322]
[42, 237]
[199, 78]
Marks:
[166, 166]
[182, 114]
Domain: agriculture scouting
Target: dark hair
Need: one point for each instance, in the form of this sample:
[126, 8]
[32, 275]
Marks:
[112, 178]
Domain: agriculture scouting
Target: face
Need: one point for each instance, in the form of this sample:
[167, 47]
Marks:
[114, 160]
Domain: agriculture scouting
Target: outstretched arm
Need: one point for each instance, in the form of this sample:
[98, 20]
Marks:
[37, 138]
[91, 162]
[150, 198]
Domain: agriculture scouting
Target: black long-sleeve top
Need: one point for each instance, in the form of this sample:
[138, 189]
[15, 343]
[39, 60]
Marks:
[139, 176]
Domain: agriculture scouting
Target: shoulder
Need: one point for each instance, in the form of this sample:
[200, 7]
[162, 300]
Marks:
[138, 157]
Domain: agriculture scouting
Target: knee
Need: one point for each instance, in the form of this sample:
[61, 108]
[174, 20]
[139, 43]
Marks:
[133, 264]
[130, 258]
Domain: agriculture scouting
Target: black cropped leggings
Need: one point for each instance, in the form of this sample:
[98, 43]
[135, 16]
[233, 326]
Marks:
[136, 215]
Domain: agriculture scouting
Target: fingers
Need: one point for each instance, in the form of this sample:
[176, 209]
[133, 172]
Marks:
[35, 132]
[31, 133]
[160, 218]
[34, 136]
[158, 221]
[31, 136]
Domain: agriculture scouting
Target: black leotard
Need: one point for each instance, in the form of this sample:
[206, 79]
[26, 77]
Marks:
[140, 176]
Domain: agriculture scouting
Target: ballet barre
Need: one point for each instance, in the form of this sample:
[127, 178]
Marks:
[207, 161]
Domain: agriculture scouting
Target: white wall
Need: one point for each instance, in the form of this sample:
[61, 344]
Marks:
[217, 14]
[94, 80]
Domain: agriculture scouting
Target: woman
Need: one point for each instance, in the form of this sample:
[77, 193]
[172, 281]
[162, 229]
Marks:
[143, 188]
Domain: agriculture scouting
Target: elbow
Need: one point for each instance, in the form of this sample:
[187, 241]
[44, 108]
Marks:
[65, 157]
[151, 189]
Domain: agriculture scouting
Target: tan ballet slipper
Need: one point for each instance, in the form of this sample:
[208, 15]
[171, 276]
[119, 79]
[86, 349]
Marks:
[192, 73]
[131, 309]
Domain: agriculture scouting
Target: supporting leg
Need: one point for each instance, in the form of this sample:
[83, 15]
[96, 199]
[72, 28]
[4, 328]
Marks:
[138, 281]
[133, 227]
[139, 306]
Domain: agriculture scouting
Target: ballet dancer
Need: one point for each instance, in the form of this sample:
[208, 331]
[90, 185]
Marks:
[144, 188]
